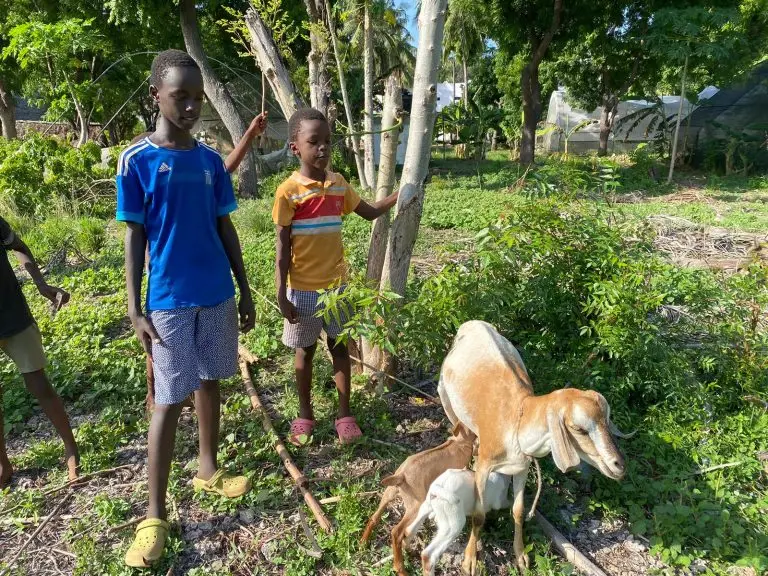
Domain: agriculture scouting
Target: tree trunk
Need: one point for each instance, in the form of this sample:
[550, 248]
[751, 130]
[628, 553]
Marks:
[319, 81]
[393, 108]
[677, 123]
[220, 98]
[607, 116]
[370, 168]
[409, 205]
[377, 249]
[7, 112]
[271, 63]
[465, 95]
[531, 90]
[347, 107]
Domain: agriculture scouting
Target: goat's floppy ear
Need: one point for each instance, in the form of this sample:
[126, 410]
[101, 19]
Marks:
[394, 480]
[563, 452]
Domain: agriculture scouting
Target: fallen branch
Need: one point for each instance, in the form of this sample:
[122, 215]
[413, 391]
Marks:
[71, 484]
[299, 479]
[13, 521]
[316, 551]
[568, 550]
[246, 354]
[85, 478]
[717, 467]
[335, 499]
[12, 561]
[125, 524]
[382, 561]
[398, 380]
[63, 552]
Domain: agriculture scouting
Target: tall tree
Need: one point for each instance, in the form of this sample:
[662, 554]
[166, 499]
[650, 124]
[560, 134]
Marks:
[319, 80]
[7, 111]
[528, 27]
[270, 60]
[708, 42]
[219, 96]
[59, 61]
[353, 137]
[464, 37]
[405, 225]
[600, 67]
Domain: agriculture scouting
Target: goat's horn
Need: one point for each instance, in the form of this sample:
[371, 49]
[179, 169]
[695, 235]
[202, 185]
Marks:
[618, 433]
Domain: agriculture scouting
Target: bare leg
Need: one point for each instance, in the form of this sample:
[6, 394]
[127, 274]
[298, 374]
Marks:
[207, 406]
[162, 437]
[518, 509]
[341, 374]
[6, 471]
[39, 386]
[303, 365]
[469, 565]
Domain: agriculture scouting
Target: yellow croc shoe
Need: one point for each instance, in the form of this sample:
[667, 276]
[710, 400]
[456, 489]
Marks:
[223, 484]
[148, 545]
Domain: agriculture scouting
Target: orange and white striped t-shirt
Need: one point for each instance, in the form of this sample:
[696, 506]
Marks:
[313, 210]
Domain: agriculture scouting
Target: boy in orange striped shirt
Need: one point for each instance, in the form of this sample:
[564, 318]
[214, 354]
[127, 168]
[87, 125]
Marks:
[310, 257]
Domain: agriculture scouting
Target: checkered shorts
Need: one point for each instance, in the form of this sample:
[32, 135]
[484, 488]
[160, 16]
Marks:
[307, 330]
[198, 343]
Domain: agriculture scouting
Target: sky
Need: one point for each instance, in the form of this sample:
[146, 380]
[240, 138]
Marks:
[410, 9]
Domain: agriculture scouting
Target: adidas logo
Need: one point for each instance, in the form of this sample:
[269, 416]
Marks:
[164, 168]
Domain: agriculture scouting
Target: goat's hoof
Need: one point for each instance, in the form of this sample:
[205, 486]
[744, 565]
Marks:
[523, 563]
[469, 567]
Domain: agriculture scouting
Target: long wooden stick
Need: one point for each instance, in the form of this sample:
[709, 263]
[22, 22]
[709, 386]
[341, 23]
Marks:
[26, 544]
[298, 477]
[568, 550]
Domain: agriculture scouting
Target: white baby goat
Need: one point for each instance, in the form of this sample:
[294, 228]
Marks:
[451, 498]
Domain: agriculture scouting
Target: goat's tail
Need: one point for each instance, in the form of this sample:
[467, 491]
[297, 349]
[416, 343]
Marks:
[389, 495]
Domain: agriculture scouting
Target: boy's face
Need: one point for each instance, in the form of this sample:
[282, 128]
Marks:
[313, 143]
[180, 96]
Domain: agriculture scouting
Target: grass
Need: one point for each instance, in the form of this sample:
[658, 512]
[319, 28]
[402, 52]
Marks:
[97, 365]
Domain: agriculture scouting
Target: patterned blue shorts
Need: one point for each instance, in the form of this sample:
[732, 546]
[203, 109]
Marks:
[198, 343]
[307, 330]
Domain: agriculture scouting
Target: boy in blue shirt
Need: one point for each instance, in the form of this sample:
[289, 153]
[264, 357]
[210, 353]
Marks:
[176, 195]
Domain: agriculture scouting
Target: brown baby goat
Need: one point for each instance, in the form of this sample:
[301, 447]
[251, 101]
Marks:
[411, 483]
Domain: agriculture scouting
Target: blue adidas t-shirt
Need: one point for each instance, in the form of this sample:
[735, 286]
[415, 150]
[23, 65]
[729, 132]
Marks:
[178, 195]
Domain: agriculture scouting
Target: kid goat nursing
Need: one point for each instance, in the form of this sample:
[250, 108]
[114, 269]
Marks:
[485, 386]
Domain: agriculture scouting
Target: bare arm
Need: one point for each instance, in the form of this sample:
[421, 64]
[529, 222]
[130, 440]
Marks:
[231, 243]
[373, 211]
[235, 157]
[56, 295]
[282, 264]
[135, 244]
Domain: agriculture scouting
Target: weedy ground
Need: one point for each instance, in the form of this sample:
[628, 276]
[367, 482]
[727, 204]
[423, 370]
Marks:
[695, 499]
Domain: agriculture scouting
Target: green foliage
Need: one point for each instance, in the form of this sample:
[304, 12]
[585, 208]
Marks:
[40, 176]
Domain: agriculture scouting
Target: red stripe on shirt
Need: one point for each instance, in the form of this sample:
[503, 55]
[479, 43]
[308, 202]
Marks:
[319, 206]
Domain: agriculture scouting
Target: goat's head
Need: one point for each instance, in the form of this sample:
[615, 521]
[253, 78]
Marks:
[580, 428]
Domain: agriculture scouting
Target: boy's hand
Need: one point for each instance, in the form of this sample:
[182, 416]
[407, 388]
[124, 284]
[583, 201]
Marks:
[258, 124]
[145, 332]
[57, 296]
[247, 313]
[287, 309]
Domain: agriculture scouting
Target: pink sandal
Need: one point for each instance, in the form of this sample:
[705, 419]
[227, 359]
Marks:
[348, 430]
[301, 432]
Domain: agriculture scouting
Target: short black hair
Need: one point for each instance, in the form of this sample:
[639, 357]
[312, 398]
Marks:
[168, 59]
[302, 114]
